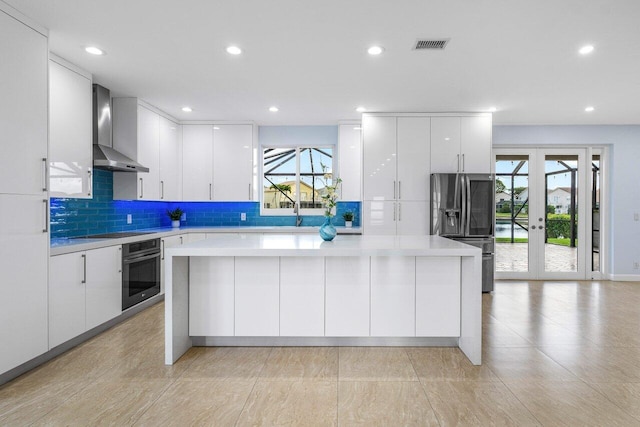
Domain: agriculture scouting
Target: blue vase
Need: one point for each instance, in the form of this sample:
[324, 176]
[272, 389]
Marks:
[327, 230]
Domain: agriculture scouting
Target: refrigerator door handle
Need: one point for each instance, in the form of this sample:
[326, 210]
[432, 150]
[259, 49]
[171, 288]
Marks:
[468, 197]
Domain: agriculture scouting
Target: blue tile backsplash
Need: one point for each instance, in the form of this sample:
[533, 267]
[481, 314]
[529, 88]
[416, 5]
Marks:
[102, 214]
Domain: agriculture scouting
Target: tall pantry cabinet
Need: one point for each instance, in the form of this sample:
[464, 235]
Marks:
[24, 238]
[395, 174]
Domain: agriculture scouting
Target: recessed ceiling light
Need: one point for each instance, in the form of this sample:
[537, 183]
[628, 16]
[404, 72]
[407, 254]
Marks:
[492, 109]
[585, 50]
[216, 128]
[234, 50]
[375, 50]
[94, 50]
[589, 109]
[357, 128]
[187, 109]
[361, 109]
[273, 109]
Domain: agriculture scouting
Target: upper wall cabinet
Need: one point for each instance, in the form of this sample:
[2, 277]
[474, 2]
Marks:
[217, 162]
[461, 144]
[23, 108]
[197, 162]
[350, 161]
[170, 160]
[70, 146]
[232, 162]
[137, 133]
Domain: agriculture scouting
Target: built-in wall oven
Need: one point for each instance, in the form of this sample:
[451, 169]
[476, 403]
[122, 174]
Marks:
[140, 271]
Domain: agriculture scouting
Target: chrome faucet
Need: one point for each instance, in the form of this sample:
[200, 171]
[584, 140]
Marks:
[295, 211]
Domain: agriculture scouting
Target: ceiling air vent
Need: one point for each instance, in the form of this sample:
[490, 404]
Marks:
[424, 44]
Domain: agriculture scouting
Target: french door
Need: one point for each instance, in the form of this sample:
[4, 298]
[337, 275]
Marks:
[542, 215]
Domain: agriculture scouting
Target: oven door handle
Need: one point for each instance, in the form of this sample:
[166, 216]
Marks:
[141, 258]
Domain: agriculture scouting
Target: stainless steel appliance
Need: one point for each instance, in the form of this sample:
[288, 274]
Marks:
[140, 271]
[463, 209]
[104, 156]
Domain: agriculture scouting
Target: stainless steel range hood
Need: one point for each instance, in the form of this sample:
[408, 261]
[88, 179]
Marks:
[104, 156]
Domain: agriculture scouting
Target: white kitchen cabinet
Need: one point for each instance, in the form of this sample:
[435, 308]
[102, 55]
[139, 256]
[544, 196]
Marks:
[396, 174]
[461, 144]
[194, 237]
[85, 290]
[136, 134]
[104, 285]
[379, 154]
[166, 243]
[301, 296]
[232, 162]
[475, 139]
[70, 132]
[23, 108]
[257, 306]
[23, 287]
[211, 296]
[197, 162]
[170, 160]
[347, 296]
[437, 296]
[393, 304]
[350, 161]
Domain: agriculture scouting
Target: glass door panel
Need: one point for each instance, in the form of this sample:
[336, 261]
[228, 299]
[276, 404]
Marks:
[512, 214]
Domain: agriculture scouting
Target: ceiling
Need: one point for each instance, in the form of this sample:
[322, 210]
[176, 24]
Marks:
[309, 58]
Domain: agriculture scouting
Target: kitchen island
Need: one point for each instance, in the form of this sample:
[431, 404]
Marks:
[283, 289]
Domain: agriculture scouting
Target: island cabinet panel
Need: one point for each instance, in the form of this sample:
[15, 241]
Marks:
[257, 306]
[438, 297]
[393, 289]
[211, 296]
[301, 297]
[347, 296]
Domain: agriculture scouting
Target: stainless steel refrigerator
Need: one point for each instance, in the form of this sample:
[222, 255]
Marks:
[463, 209]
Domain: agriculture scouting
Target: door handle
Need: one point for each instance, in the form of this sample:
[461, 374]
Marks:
[45, 183]
[141, 189]
[162, 243]
[399, 211]
[458, 160]
[394, 212]
[84, 268]
[45, 203]
[394, 189]
[399, 190]
[90, 182]
[462, 162]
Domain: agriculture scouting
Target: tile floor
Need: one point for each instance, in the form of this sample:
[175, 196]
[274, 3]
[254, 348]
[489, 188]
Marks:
[555, 353]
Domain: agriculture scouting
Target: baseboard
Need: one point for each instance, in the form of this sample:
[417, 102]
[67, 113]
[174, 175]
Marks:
[625, 277]
[68, 345]
[325, 341]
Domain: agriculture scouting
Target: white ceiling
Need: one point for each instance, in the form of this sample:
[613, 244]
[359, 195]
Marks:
[309, 57]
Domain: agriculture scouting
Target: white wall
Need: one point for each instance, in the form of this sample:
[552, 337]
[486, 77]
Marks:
[294, 135]
[623, 186]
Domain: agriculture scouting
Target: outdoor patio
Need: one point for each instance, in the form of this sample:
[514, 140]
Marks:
[512, 257]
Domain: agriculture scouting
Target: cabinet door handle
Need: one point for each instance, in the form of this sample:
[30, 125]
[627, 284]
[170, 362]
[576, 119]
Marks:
[394, 189]
[458, 157]
[399, 189]
[90, 182]
[399, 211]
[84, 268]
[141, 188]
[394, 212]
[120, 250]
[45, 203]
[180, 239]
[162, 243]
[45, 184]
[162, 189]
[463, 163]
[210, 191]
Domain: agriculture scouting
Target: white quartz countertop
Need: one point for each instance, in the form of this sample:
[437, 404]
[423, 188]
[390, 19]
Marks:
[313, 245]
[69, 245]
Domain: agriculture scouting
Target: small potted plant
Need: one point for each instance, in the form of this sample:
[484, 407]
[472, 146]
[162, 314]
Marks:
[348, 219]
[175, 216]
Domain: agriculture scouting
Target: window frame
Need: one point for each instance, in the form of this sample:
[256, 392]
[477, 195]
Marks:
[297, 198]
